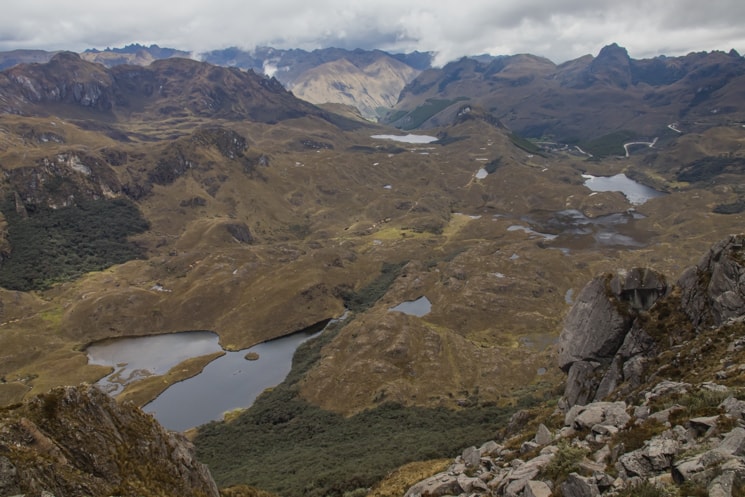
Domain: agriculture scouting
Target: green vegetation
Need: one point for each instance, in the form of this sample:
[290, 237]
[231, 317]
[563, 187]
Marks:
[610, 144]
[54, 245]
[565, 461]
[366, 297]
[326, 454]
[733, 208]
[707, 168]
[432, 106]
[647, 489]
[525, 144]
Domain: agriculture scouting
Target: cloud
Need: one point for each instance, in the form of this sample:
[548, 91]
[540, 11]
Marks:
[560, 29]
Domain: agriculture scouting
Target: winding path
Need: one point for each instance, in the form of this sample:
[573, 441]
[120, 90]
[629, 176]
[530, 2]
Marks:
[629, 144]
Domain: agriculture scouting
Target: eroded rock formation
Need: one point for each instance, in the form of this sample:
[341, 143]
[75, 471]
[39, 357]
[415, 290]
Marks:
[76, 441]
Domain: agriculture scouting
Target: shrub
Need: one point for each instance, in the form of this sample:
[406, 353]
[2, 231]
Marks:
[565, 461]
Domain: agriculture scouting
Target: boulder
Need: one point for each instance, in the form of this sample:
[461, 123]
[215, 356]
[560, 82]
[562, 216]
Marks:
[471, 457]
[436, 486]
[595, 326]
[537, 489]
[601, 345]
[578, 486]
[713, 291]
[543, 435]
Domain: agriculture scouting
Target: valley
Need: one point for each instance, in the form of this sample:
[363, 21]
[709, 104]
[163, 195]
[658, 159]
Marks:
[183, 197]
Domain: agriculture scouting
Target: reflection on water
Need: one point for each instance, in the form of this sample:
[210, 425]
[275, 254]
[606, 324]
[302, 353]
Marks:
[227, 383]
[636, 193]
[231, 381]
[135, 358]
[419, 307]
[570, 229]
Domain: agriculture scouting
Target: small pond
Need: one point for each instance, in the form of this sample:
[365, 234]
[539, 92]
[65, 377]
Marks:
[419, 307]
[419, 139]
[636, 193]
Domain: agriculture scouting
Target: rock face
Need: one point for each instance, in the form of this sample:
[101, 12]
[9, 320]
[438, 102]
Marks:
[77, 441]
[600, 325]
[713, 291]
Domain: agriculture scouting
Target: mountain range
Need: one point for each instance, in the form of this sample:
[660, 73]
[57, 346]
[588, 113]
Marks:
[183, 195]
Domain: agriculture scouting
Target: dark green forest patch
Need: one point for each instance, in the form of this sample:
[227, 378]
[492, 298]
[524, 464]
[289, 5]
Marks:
[53, 245]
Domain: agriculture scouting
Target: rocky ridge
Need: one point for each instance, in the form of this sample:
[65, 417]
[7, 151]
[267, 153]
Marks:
[76, 441]
[626, 422]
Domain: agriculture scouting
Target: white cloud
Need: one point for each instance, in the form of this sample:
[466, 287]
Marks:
[560, 30]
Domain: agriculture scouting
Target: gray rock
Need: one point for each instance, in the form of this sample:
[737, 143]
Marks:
[722, 485]
[602, 455]
[543, 435]
[667, 387]
[537, 489]
[490, 448]
[436, 486]
[518, 477]
[594, 328]
[713, 291]
[733, 407]
[578, 486]
[699, 467]
[733, 443]
[634, 464]
[469, 484]
[471, 457]
[582, 382]
[660, 452]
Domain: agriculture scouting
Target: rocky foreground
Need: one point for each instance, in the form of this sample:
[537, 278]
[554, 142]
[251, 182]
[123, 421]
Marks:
[625, 425]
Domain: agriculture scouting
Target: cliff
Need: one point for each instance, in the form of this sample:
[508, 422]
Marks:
[76, 441]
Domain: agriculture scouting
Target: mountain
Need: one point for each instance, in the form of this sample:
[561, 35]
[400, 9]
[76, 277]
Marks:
[540, 100]
[368, 80]
[169, 87]
[181, 195]
[134, 54]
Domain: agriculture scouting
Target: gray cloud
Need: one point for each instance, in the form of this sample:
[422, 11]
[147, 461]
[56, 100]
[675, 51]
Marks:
[560, 29]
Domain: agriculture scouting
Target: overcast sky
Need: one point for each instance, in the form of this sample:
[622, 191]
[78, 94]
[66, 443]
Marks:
[558, 29]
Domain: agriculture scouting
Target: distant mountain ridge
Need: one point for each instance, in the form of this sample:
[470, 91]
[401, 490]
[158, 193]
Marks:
[171, 87]
[582, 99]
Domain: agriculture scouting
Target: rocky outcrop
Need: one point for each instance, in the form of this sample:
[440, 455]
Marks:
[595, 452]
[77, 441]
[713, 291]
[600, 335]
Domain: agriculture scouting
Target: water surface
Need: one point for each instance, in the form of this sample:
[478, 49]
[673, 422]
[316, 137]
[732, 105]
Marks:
[636, 193]
[135, 358]
[227, 383]
[407, 138]
[419, 307]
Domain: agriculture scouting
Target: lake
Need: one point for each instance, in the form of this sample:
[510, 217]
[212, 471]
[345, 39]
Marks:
[635, 192]
[229, 382]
